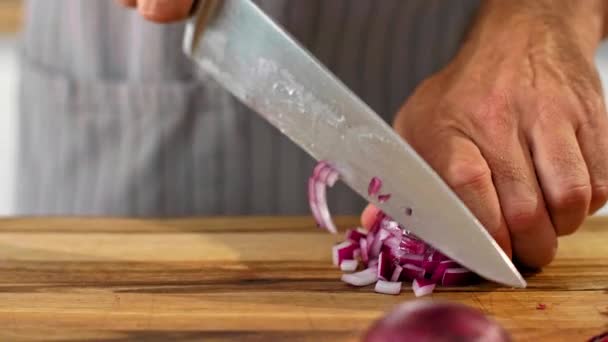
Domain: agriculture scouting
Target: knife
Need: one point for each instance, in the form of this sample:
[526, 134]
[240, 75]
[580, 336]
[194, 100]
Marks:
[257, 61]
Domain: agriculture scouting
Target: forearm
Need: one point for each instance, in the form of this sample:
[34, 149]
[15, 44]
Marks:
[517, 24]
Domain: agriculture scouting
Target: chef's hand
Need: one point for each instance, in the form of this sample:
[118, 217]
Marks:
[516, 123]
[162, 11]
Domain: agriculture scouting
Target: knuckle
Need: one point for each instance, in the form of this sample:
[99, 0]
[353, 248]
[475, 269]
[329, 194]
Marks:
[493, 113]
[522, 217]
[571, 196]
[462, 174]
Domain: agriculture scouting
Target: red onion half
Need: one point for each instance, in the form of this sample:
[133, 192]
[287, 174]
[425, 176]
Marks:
[600, 338]
[430, 321]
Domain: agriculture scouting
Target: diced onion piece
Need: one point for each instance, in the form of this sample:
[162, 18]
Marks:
[413, 245]
[393, 228]
[323, 209]
[376, 246]
[323, 175]
[437, 256]
[361, 278]
[409, 211]
[392, 244]
[332, 178]
[356, 234]
[411, 259]
[364, 250]
[396, 273]
[388, 287]
[441, 268]
[412, 271]
[384, 198]
[422, 287]
[318, 168]
[385, 269]
[456, 277]
[349, 265]
[312, 201]
[374, 186]
[343, 251]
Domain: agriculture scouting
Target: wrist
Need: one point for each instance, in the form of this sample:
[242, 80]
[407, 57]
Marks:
[524, 24]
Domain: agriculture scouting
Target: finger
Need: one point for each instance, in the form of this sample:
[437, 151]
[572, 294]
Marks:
[368, 217]
[593, 140]
[460, 163]
[562, 174]
[532, 234]
[128, 3]
[164, 11]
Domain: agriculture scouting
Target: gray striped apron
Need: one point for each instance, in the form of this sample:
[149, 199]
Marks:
[115, 121]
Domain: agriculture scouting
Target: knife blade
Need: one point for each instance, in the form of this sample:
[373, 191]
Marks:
[252, 57]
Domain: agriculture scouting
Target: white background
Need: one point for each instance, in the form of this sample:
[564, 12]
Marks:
[8, 115]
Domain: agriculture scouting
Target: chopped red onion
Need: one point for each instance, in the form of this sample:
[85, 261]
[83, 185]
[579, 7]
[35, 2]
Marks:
[388, 287]
[541, 306]
[312, 201]
[456, 276]
[392, 244]
[384, 198]
[343, 251]
[332, 178]
[323, 175]
[356, 234]
[320, 166]
[411, 259]
[323, 209]
[376, 246]
[396, 273]
[436, 256]
[361, 278]
[349, 265]
[385, 266]
[422, 287]
[409, 211]
[364, 250]
[412, 271]
[441, 268]
[393, 228]
[388, 250]
[374, 186]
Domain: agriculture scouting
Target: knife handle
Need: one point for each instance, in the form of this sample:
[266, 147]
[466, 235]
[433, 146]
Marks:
[202, 11]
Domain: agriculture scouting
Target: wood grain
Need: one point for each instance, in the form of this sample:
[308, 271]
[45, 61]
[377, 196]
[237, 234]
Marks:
[249, 279]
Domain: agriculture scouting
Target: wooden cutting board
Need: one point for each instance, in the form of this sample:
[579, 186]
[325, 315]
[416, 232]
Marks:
[249, 279]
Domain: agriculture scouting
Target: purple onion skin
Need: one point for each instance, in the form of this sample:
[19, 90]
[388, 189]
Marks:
[600, 338]
[431, 321]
